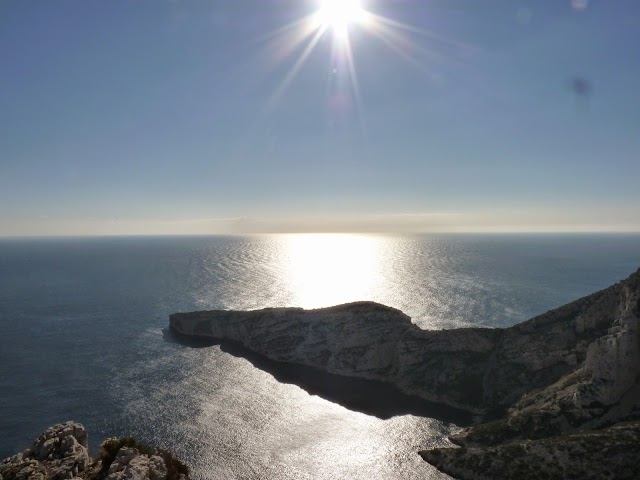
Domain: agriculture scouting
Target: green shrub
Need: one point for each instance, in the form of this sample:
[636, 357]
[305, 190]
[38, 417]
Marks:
[175, 467]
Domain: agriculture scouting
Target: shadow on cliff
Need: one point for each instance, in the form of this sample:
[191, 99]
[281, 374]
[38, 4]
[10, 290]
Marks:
[367, 396]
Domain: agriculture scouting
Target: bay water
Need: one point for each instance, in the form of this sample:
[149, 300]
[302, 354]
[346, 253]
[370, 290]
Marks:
[83, 336]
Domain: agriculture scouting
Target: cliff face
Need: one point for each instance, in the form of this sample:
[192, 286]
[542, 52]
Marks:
[581, 360]
[574, 367]
[332, 339]
[610, 454]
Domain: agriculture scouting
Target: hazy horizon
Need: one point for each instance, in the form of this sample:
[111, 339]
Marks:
[135, 230]
[181, 117]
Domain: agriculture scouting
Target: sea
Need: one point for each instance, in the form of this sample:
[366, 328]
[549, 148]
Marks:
[83, 336]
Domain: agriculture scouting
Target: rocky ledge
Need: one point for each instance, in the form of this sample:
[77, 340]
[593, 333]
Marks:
[62, 452]
[605, 454]
[570, 370]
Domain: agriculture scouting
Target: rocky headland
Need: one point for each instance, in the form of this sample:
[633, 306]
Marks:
[62, 452]
[553, 389]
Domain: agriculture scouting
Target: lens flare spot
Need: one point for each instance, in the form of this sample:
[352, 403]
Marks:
[579, 4]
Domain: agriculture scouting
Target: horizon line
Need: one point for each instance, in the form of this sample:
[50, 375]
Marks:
[267, 233]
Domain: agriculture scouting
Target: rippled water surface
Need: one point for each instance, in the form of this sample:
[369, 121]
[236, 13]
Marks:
[82, 337]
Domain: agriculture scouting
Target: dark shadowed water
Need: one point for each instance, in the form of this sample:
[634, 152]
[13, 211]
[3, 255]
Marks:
[82, 325]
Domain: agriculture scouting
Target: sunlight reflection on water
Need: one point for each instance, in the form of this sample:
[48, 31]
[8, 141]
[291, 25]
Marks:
[228, 419]
[440, 281]
[332, 269]
[107, 302]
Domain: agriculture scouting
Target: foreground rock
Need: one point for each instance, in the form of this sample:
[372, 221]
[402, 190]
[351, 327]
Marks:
[62, 452]
[607, 454]
[571, 369]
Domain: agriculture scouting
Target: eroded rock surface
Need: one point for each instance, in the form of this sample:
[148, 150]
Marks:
[601, 332]
[131, 464]
[62, 452]
[547, 432]
[608, 454]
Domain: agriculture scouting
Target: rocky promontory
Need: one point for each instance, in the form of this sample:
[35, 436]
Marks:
[583, 356]
[365, 340]
[570, 370]
[62, 452]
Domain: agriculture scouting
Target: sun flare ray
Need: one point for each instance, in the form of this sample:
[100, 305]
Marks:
[398, 44]
[389, 23]
[355, 85]
[293, 71]
[341, 19]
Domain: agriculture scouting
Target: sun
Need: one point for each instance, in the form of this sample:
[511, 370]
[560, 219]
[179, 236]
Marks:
[339, 14]
[338, 26]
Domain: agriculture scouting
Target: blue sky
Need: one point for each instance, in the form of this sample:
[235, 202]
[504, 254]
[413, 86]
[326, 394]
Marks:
[145, 117]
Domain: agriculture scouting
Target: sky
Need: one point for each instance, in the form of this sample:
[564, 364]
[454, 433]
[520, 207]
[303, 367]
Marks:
[129, 117]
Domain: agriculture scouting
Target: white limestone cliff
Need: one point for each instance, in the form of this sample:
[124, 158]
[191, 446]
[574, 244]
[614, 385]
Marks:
[580, 360]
